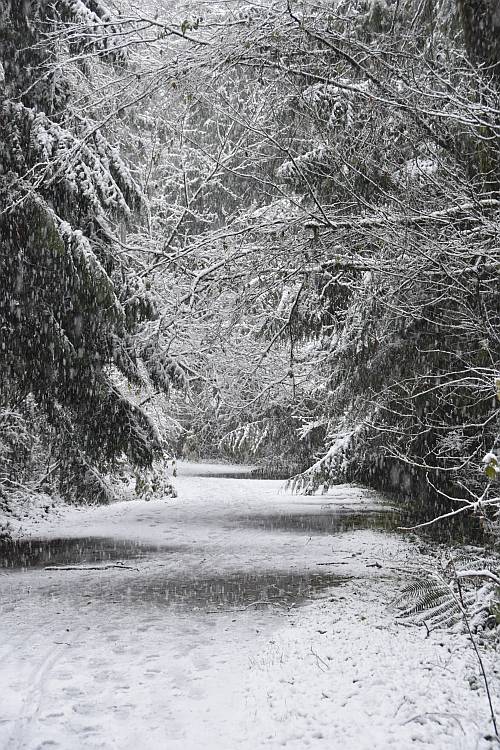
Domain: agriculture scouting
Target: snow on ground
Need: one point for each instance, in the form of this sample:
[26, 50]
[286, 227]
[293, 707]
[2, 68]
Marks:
[174, 650]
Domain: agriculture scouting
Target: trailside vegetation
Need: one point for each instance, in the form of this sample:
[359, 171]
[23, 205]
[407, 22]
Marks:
[289, 213]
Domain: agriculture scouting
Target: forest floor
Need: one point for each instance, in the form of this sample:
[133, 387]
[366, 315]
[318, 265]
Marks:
[235, 617]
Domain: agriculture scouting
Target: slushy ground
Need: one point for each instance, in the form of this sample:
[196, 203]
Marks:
[234, 617]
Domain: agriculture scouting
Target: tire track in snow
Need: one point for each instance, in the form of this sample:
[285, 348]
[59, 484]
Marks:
[34, 696]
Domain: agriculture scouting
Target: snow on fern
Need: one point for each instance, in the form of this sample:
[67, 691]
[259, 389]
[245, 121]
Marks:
[460, 585]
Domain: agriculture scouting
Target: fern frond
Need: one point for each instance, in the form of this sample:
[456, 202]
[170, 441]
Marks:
[469, 562]
[430, 600]
[442, 600]
[418, 590]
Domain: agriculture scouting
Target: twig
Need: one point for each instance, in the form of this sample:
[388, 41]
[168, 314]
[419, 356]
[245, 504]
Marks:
[474, 644]
[483, 672]
[333, 562]
[244, 609]
[319, 660]
[263, 601]
[89, 567]
[431, 714]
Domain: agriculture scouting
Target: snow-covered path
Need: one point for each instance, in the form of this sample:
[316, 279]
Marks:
[174, 651]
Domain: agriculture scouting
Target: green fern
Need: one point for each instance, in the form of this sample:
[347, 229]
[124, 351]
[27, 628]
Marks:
[431, 600]
[440, 599]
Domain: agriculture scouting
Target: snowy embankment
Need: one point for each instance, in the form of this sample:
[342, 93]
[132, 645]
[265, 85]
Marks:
[175, 651]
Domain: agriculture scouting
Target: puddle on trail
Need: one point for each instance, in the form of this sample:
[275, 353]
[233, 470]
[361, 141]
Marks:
[37, 553]
[463, 530]
[171, 588]
[211, 472]
[235, 590]
[335, 522]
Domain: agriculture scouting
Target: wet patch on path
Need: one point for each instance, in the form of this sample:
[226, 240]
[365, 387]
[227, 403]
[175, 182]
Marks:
[236, 590]
[336, 522]
[38, 553]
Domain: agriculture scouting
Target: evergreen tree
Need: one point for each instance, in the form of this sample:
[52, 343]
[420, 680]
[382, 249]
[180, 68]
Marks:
[70, 310]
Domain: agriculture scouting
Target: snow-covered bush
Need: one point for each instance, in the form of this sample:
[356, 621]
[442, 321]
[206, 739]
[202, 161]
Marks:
[154, 483]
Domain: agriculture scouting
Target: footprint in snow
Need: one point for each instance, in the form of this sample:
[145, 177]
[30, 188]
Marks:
[152, 657]
[196, 693]
[201, 664]
[72, 692]
[84, 709]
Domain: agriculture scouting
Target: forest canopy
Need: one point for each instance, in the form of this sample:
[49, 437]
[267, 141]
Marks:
[263, 230]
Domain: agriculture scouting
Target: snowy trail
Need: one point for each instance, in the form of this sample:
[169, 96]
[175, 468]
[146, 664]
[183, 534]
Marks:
[174, 652]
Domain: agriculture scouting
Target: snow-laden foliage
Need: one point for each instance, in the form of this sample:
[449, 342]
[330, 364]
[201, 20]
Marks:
[70, 307]
[321, 208]
[462, 590]
[322, 186]
[378, 291]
